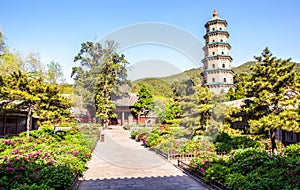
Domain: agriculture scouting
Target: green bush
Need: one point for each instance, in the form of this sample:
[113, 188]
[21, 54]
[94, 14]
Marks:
[196, 146]
[236, 181]
[34, 187]
[57, 177]
[126, 127]
[133, 134]
[292, 150]
[44, 160]
[225, 143]
[246, 160]
[216, 172]
[153, 139]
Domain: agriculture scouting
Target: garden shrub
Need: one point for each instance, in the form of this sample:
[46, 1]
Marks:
[216, 172]
[236, 181]
[292, 150]
[246, 160]
[34, 187]
[126, 127]
[133, 134]
[201, 145]
[153, 139]
[57, 177]
[224, 143]
[44, 160]
[142, 136]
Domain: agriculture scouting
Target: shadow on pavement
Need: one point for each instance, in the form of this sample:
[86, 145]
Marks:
[141, 183]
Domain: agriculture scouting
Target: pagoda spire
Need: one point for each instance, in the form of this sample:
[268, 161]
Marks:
[215, 15]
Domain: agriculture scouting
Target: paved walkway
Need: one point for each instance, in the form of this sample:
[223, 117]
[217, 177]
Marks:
[122, 163]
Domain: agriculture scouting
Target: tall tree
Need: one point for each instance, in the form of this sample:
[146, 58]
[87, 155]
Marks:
[20, 92]
[205, 106]
[100, 73]
[230, 94]
[171, 112]
[240, 92]
[274, 84]
[2, 42]
[55, 73]
[236, 94]
[10, 62]
[109, 79]
[33, 65]
[145, 103]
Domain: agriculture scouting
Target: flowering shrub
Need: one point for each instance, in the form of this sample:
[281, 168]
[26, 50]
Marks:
[217, 172]
[43, 161]
[292, 150]
[265, 144]
[202, 145]
[250, 169]
[224, 143]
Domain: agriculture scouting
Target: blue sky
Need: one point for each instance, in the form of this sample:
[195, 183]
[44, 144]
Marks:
[56, 28]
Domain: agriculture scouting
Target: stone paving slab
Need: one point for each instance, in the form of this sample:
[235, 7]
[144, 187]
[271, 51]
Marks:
[122, 163]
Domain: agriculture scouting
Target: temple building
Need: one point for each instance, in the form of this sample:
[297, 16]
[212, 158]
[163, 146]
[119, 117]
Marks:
[217, 73]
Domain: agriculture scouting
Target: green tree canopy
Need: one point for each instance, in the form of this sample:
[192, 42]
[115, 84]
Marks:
[236, 94]
[20, 92]
[100, 73]
[145, 103]
[55, 73]
[274, 84]
[2, 42]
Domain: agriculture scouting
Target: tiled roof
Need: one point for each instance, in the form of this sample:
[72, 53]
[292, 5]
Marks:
[237, 103]
[128, 100]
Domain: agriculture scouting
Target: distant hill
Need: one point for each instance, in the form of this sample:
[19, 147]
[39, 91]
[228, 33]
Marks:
[244, 67]
[156, 86]
[161, 86]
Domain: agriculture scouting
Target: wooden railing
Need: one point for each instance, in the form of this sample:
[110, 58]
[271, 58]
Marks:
[174, 156]
[182, 163]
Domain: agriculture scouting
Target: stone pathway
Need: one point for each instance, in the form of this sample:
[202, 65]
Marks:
[122, 163]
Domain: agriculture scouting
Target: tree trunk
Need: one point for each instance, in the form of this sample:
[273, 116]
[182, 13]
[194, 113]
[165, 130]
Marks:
[273, 143]
[28, 121]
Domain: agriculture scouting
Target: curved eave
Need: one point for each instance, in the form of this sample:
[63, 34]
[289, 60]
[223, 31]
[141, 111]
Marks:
[218, 83]
[215, 21]
[218, 44]
[211, 70]
[217, 57]
[215, 32]
[216, 69]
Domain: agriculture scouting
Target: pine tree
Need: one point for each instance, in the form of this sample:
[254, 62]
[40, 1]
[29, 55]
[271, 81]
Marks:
[19, 92]
[274, 84]
[239, 92]
[230, 94]
[145, 103]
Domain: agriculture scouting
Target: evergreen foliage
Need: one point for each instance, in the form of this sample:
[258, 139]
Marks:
[101, 72]
[274, 84]
[21, 93]
[145, 103]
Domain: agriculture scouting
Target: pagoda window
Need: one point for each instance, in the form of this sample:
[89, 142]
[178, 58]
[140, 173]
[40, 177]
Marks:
[221, 40]
[213, 65]
[223, 66]
[222, 52]
[213, 79]
[213, 41]
[213, 53]
[220, 28]
[224, 79]
[213, 29]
